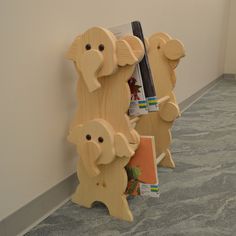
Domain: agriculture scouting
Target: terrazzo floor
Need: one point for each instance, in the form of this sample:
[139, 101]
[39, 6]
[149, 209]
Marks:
[197, 198]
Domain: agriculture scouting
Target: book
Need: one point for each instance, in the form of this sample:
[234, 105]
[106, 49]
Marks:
[149, 89]
[138, 103]
[142, 170]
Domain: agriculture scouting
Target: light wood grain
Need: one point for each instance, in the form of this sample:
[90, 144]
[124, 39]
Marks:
[160, 158]
[112, 155]
[111, 99]
[101, 130]
[95, 60]
[164, 55]
[163, 99]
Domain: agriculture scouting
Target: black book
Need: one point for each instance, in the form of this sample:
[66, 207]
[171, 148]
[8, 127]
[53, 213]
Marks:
[148, 84]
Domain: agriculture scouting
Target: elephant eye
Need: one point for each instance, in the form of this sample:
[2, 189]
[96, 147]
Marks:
[88, 137]
[101, 47]
[158, 47]
[88, 46]
[100, 139]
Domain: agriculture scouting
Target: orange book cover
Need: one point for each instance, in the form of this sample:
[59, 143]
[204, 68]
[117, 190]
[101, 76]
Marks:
[142, 167]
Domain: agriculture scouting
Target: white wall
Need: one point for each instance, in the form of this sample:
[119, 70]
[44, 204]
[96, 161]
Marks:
[37, 84]
[230, 63]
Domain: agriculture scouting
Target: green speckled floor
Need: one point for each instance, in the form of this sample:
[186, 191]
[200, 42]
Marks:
[198, 197]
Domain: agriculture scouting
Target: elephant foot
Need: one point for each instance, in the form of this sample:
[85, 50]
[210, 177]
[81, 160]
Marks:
[119, 208]
[167, 161]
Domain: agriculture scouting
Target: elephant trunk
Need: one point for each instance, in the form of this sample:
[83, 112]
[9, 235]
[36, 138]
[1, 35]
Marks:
[91, 153]
[90, 63]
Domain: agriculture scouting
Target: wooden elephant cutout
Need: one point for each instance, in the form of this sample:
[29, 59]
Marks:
[164, 54]
[105, 64]
[103, 154]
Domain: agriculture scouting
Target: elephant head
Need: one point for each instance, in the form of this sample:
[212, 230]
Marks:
[162, 46]
[97, 143]
[97, 53]
[172, 49]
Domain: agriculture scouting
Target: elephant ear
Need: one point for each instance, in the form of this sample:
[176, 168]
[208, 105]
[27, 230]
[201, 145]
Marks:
[73, 50]
[129, 50]
[122, 147]
[174, 50]
[75, 134]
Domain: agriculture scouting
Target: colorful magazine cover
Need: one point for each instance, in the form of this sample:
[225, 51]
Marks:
[142, 170]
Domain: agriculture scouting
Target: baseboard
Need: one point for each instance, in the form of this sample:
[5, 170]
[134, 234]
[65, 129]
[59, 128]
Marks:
[28, 216]
[196, 96]
[229, 76]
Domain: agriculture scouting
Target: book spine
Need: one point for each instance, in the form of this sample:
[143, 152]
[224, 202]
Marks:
[145, 70]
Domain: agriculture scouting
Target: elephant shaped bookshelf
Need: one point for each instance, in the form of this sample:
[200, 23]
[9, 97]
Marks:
[106, 138]
[105, 64]
[101, 129]
[101, 167]
[164, 55]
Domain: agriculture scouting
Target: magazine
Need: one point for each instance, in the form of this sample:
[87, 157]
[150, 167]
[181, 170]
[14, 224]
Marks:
[142, 170]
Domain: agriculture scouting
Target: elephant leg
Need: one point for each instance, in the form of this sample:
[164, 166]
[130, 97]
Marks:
[167, 161]
[163, 139]
[119, 208]
[82, 197]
